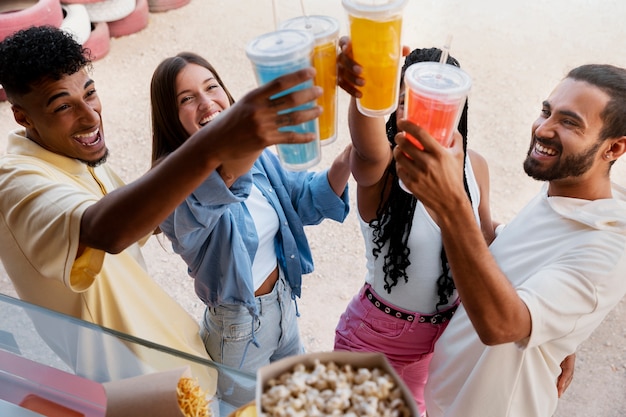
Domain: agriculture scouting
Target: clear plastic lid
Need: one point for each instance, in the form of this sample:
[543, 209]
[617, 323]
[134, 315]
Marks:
[279, 47]
[374, 9]
[324, 28]
[437, 79]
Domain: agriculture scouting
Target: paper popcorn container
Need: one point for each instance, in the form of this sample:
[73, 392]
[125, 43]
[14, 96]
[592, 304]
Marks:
[153, 395]
[356, 360]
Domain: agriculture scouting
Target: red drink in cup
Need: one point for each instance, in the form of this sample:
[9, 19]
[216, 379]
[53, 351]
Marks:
[435, 95]
[439, 119]
[434, 98]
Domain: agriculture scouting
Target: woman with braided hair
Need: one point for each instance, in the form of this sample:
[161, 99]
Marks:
[409, 295]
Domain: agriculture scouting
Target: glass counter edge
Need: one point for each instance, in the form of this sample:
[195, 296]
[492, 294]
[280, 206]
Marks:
[124, 336]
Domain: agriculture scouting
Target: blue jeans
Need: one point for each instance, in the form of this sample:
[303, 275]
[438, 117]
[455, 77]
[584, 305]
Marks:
[227, 331]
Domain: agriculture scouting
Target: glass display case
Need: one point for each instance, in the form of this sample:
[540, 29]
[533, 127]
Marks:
[52, 355]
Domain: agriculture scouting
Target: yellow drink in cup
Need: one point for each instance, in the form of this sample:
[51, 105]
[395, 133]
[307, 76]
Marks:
[375, 32]
[324, 61]
[325, 29]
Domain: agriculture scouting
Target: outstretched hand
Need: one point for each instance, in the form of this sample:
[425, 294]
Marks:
[253, 122]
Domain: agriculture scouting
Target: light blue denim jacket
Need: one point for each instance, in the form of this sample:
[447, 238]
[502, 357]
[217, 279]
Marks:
[215, 235]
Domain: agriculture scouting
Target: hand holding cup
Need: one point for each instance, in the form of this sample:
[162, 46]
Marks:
[433, 174]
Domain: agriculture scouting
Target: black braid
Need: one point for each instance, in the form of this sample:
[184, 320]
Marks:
[394, 216]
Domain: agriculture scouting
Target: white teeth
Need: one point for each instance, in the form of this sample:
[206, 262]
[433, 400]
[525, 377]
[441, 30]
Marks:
[88, 139]
[88, 135]
[208, 119]
[544, 150]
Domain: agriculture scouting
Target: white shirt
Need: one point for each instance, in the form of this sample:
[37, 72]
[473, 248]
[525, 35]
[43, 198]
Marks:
[266, 224]
[566, 258]
[419, 293]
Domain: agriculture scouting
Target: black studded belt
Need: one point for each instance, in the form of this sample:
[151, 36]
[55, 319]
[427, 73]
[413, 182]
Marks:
[421, 318]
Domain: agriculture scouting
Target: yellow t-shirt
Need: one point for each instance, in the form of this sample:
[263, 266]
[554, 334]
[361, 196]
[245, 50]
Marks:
[44, 196]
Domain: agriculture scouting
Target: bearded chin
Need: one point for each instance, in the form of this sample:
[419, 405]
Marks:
[533, 170]
[98, 162]
[570, 166]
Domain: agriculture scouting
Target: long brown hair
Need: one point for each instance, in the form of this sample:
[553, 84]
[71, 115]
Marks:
[167, 130]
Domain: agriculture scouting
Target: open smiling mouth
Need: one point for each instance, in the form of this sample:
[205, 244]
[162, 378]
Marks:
[89, 139]
[543, 150]
[207, 119]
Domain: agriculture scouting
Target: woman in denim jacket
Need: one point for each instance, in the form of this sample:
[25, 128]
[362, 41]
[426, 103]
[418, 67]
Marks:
[241, 232]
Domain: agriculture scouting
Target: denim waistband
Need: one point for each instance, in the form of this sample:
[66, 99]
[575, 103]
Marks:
[275, 294]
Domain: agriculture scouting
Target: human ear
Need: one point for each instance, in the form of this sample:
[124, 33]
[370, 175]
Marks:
[617, 149]
[20, 116]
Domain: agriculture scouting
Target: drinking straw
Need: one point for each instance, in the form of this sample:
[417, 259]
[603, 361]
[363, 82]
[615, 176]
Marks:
[275, 11]
[306, 17]
[445, 51]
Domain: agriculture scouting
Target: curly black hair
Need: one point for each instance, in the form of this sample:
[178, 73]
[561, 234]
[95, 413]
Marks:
[37, 53]
[394, 216]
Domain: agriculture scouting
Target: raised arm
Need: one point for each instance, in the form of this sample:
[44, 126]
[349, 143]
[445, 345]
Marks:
[133, 211]
[339, 172]
[434, 176]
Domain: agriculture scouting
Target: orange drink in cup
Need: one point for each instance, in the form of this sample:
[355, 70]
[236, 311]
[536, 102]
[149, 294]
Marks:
[375, 32]
[325, 29]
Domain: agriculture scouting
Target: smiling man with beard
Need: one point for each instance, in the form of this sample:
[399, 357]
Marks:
[551, 275]
[71, 230]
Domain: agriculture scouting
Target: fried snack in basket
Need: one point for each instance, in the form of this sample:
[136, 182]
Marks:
[191, 398]
[173, 393]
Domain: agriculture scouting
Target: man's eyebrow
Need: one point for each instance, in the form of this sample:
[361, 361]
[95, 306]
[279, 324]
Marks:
[567, 113]
[54, 97]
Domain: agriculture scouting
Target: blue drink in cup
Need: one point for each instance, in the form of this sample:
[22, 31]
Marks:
[325, 30]
[278, 53]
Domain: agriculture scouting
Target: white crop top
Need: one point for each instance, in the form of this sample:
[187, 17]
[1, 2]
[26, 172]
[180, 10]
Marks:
[419, 293]
[266, 224]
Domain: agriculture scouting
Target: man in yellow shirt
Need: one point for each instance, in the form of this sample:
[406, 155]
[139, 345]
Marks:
[71, 229]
